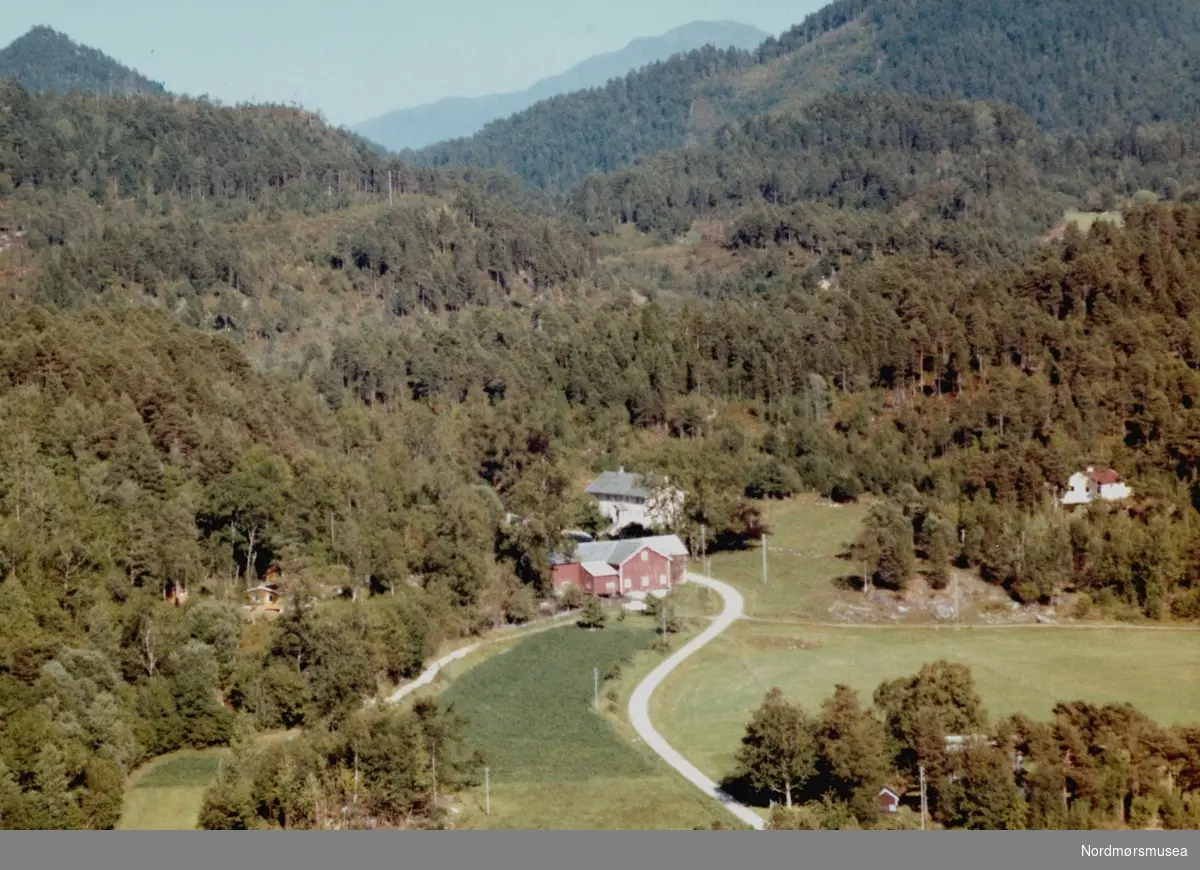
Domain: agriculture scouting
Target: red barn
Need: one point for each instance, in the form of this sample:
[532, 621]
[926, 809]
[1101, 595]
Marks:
[592, 578]
[617, 568]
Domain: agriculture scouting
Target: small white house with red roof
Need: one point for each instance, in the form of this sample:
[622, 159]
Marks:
[1095, 484]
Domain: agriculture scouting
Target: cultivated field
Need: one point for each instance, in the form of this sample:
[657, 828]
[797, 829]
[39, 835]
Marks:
[703, 708]
[556, 763]
[166, 794]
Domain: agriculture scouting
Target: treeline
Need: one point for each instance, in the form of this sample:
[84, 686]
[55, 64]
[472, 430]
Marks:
[982, 166]
[148, 475]
[1090, 767]
[383, 768]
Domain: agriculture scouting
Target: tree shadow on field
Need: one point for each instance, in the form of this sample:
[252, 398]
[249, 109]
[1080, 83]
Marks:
[849, 583]
[739, 787]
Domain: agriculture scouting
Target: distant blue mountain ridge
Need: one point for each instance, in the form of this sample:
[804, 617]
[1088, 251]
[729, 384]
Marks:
[464, 116]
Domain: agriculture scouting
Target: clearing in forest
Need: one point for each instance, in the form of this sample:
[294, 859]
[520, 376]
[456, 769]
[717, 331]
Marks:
[166, 794]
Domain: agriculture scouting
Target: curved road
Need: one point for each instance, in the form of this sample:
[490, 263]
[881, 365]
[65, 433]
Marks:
[639, 702]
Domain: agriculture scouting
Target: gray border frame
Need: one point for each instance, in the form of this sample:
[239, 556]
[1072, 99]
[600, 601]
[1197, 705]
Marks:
[692, 850]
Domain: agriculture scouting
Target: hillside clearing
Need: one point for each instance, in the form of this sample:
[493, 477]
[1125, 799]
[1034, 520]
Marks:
[166, 794]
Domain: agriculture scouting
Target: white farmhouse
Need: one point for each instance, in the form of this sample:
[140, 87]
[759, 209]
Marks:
[627, 499]
[1095, 484]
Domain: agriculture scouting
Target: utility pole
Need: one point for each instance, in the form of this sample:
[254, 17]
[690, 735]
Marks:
[957, 617]
[924, 804]
[703, 550]
[596, 688]
[764, 549]
[487, 791]
[389, 187]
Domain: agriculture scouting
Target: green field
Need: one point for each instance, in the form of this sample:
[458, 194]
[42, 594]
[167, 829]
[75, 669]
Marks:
[703, 708]
[166, 794]
[805, 537]
[555, 763]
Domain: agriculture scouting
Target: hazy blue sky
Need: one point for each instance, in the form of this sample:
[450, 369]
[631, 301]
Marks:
[353, 59]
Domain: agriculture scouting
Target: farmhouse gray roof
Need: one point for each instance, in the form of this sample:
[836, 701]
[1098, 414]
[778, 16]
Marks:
[621, 483]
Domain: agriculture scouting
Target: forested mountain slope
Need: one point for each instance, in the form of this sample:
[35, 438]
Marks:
[46, 60]
[455, 117]
[1118, 64]
[250, 219]
[966, 163]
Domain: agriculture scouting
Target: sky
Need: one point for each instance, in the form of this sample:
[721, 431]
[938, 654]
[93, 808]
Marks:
[355, 59]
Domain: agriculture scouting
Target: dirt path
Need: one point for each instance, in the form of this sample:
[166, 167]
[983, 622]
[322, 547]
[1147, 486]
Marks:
[430, 673]
[639, 701]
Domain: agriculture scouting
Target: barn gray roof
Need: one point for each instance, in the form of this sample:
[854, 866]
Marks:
[616, 552]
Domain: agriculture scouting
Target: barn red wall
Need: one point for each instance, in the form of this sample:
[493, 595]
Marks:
[561, 575]
[655, 567]
[598, 584]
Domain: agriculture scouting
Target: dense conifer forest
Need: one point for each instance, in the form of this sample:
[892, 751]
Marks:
[240, 343]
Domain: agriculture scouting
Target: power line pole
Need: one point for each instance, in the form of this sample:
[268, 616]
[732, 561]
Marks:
[957, 602]
[596, 688]
[487, 791]
[923, 803]
[764, 549]
[703, 550]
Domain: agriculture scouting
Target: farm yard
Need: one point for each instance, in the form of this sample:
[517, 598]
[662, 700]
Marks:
[704, 706]
[556, 763]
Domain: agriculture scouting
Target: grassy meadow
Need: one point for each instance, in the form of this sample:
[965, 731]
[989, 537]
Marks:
[166, 794]
[703, 708]
[805, 537]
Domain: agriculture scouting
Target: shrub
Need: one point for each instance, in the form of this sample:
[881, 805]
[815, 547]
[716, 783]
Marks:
[593, 615]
